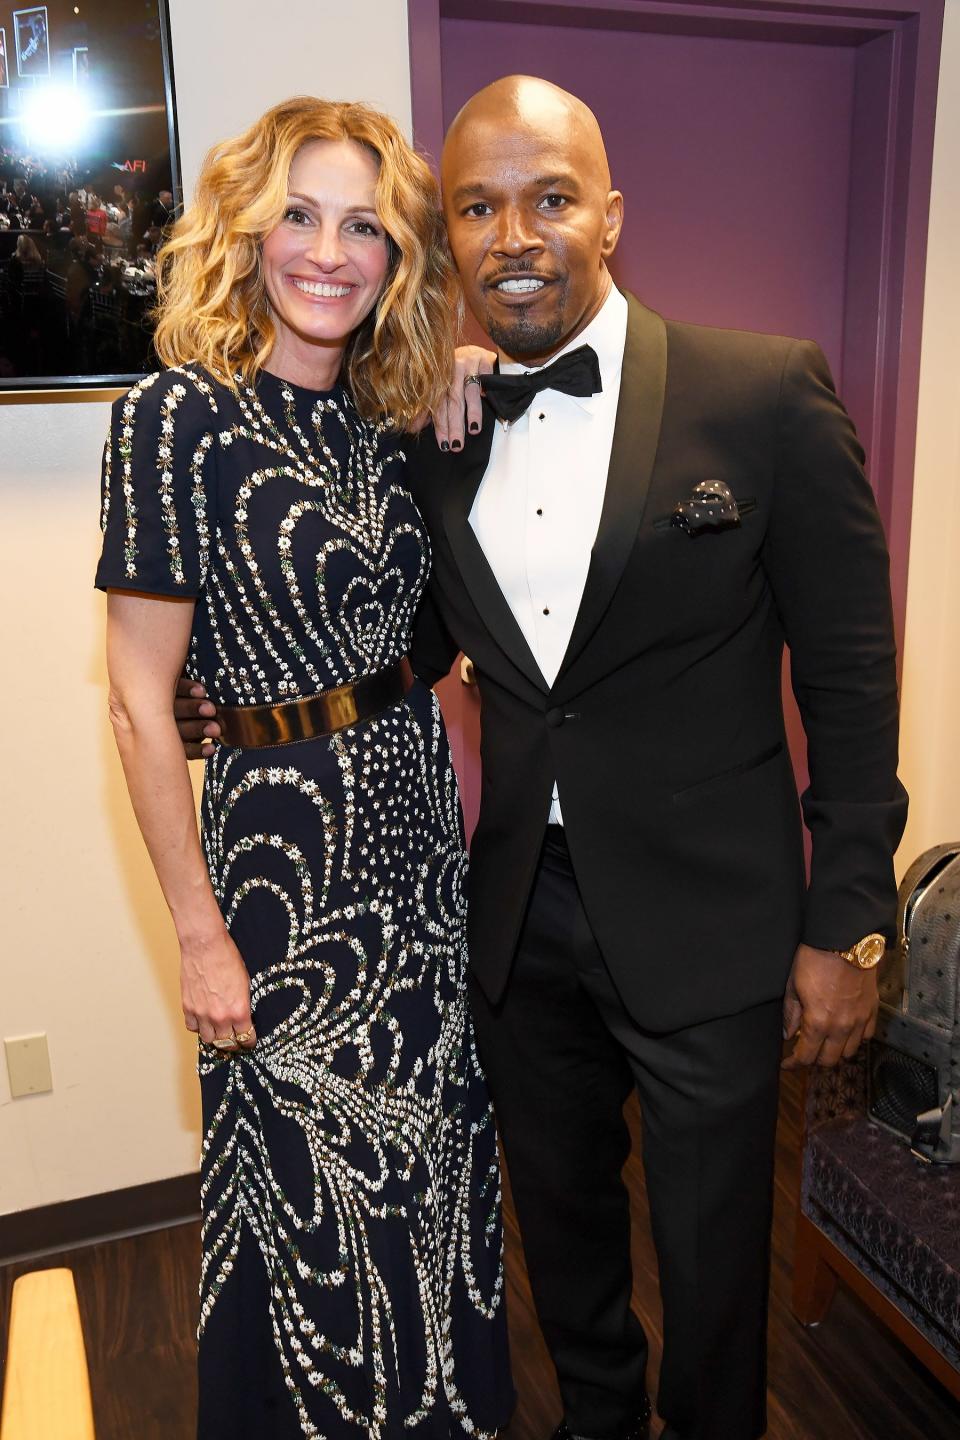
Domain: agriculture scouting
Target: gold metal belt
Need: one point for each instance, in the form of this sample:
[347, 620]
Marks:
[255, 726]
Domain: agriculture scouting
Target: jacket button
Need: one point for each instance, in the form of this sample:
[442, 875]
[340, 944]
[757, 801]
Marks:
[554, 718]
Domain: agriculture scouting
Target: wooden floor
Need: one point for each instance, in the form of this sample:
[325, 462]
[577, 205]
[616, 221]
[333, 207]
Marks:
[846, 1380]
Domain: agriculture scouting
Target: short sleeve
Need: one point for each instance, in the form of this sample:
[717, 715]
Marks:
[158, 489]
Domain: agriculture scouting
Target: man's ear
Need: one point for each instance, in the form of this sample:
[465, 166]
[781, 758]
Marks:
[614, 219]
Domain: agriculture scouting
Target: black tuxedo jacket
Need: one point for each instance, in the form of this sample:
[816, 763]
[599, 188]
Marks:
[664, 728]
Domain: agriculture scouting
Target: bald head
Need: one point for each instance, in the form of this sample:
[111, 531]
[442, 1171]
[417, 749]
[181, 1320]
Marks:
[524, 102]
[530, 213]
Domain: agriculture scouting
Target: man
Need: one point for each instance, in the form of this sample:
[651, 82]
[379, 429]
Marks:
[162, 214]
[623, 564]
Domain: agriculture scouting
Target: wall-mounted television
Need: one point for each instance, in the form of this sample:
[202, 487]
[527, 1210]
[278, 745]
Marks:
[89, 185]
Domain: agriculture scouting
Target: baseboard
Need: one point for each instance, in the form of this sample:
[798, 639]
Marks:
[50, 1228]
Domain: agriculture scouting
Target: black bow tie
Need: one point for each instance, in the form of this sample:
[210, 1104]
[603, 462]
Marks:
[576, 373]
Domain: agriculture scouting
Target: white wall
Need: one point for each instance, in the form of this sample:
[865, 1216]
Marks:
[234, 58]
[930, 744]
[87, 946]
[88, 953]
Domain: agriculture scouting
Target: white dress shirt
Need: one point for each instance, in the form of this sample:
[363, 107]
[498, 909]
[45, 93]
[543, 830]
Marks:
[538, 507]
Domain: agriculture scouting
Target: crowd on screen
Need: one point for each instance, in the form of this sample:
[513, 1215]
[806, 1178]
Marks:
[77, 270]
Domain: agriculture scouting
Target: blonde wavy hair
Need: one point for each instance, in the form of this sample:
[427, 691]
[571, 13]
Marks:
[212, 306]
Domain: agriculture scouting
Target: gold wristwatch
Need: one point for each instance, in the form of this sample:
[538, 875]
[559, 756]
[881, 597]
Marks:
[866, 954]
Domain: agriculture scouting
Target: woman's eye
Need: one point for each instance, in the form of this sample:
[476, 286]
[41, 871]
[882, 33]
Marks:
[365, 227]
[295, 215]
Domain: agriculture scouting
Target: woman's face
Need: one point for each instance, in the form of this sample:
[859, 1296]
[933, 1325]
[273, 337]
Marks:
[325, 264]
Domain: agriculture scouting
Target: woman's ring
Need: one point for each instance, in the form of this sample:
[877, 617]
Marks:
[244, 1037]
[472, 380]
[224, 1042]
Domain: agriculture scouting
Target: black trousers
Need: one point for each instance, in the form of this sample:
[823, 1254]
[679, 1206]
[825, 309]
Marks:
[561, 1054]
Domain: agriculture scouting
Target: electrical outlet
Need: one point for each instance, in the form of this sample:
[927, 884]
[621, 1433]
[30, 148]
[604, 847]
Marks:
[28, 1065]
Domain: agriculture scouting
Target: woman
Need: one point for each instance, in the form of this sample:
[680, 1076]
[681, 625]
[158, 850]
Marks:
[257, 524]
[26, 261]
[28, 252]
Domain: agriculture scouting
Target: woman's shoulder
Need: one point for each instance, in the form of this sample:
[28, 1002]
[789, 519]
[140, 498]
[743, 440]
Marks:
[380, 434]
[428, 469]
[182, 391]
[393, 450]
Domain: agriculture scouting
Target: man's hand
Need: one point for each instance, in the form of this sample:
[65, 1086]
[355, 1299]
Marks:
[830, 1007]
[195, 717]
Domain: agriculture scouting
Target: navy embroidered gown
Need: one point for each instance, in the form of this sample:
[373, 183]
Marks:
[351, 1282]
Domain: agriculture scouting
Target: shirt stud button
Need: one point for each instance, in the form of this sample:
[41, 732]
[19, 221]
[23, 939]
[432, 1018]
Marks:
[546, 609]
[539, 512]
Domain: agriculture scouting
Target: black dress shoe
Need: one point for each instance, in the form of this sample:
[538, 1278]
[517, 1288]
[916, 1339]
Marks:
[636, 1429]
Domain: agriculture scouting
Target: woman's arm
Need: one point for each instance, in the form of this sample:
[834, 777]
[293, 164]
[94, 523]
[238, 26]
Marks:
[147, 639]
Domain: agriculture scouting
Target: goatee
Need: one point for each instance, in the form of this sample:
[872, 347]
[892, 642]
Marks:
[519, 335]
[523, 337]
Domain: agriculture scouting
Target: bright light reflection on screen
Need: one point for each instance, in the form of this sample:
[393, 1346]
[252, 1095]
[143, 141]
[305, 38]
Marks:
[57, 119]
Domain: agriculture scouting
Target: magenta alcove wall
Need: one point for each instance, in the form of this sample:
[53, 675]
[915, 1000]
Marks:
[733, 157]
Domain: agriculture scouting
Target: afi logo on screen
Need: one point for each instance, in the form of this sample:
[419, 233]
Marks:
[140, 165]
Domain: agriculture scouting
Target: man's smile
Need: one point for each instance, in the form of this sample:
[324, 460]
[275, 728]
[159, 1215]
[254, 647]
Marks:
[519, 288]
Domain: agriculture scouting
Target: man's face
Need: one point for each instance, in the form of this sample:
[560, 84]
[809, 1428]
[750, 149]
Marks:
[531, 224]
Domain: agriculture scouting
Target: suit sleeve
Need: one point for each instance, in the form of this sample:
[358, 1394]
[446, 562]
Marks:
[826, 559]
[433, 650]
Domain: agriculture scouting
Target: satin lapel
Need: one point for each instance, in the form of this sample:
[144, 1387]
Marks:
[462, 486]
[635, 439]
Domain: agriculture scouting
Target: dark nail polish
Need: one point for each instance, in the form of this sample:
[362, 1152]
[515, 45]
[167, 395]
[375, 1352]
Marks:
[444, 445]
[456, 445]
[474, 427]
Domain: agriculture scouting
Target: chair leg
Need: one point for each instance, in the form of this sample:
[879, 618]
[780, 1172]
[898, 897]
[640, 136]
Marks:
[814, 1282]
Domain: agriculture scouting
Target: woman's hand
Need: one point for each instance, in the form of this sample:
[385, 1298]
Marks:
[215, 992]
[462, 398]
